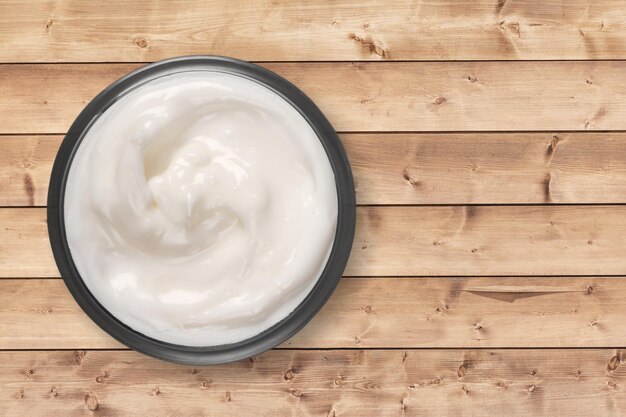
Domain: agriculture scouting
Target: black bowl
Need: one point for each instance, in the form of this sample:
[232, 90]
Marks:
[295, 320]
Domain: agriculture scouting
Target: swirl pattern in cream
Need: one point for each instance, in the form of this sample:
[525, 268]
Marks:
[200, 208]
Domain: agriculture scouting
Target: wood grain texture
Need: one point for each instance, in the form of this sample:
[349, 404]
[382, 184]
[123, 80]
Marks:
[25, 165]
[478, 107]
[376, 313]
[70, 31]
[485, 168]
[575, 383]
[488, 240]
[417, 241]
[384, 96]
[488, 168]
[24, 246]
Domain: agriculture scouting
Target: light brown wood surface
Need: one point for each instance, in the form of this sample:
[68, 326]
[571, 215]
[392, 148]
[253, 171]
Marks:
[370, 96]
[417, 241]
[319, 383]
[490, 240]
[412, 168]
[489, 151]
[419, 312]
[270, 30]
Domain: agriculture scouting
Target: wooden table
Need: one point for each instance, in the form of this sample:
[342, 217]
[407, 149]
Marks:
[488, 142]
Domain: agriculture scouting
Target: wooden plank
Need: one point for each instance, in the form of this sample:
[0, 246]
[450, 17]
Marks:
[573, 383]
[43, 315]
[403, 96]
[486, 168]
[418, 241]
[488, 240]
[65, 30]
[376, 313]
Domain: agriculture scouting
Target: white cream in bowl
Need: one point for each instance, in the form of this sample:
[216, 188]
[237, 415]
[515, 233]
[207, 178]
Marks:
[200, 208]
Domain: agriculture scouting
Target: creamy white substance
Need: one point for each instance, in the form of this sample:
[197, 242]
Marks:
[200, 208]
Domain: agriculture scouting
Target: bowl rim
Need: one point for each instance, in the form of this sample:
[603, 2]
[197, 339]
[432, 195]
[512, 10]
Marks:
[303, 313]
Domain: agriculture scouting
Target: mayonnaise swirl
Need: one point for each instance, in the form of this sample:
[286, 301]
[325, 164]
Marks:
[200, 208]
